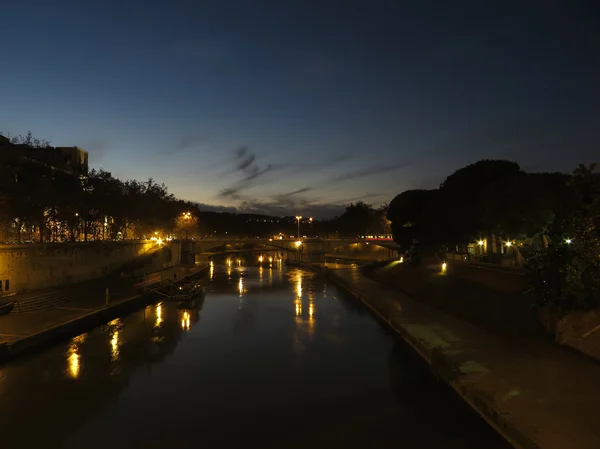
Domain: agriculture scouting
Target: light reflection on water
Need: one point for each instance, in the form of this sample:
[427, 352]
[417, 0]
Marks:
[266, 362]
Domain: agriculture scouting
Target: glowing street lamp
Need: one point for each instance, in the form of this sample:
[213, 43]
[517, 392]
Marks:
[298, 217]
[568, 241]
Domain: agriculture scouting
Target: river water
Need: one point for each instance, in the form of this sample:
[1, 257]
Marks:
[273, 357]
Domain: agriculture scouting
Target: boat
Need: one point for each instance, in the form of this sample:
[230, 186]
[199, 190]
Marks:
[190, 296]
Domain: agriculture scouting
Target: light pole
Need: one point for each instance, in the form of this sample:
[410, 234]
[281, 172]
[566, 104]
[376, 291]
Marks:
[298, 217]
[187, 216]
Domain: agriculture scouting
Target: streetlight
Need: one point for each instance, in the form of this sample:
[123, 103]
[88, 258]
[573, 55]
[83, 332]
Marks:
[187, 216]
[298, 217]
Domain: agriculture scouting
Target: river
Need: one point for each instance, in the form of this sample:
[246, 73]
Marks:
[273, 357]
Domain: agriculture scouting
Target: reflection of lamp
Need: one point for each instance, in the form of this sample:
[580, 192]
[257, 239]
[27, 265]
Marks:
[444, 267]
[185, 321]
[73, 362]
[158, 315]
[114, 344]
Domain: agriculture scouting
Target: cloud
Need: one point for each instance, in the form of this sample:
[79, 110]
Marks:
[365, 172]
[245, 164]
[215, 208]
[321, 211]
[297, 192]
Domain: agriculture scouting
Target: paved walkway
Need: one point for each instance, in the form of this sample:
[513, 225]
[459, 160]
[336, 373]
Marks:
[535, 393]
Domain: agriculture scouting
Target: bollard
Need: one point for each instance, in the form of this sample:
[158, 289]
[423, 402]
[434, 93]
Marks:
[106, 295]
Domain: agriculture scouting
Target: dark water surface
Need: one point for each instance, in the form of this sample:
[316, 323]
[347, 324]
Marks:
[272, 358]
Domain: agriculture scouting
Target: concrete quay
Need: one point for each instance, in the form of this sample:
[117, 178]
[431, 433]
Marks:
[27, 332]
[533, 392]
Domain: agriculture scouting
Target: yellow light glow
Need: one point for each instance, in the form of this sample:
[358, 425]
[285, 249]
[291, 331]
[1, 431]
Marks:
[298, 217]
[298, 243]
[114, 344]
[228, 262]
[568, 241]
[270, 260]
[260, 273]
[159, 241]
[241, 286]
[280, 237]
[239, 261]
[158, 315]
[480, 242]
[298, 308]
[444, 267]
[311, 310]
[299, 284]
[509, 244]
[73, 362]
[185, 321]
[260, 258]
[211, 271]
[401, 259]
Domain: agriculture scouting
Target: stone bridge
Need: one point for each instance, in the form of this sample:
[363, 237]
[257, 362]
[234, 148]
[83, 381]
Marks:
[304, 249]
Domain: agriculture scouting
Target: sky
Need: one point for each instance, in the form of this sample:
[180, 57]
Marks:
[287, 107]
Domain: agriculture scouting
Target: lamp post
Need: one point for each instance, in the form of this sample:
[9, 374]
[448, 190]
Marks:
[187, 216]
[298, 217]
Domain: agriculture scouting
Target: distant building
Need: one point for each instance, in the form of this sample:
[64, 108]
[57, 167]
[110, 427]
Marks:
[72, 160]
[74, 157]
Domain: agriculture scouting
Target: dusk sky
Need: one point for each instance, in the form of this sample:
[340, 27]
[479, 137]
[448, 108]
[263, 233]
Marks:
[300, 106]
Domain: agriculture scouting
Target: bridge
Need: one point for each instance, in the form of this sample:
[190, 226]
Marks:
[307, 249]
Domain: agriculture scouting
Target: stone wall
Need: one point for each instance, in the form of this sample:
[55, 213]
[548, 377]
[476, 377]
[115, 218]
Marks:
[31, 267]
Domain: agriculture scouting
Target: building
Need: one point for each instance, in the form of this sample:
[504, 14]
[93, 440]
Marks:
[74, 157]
[73, 160]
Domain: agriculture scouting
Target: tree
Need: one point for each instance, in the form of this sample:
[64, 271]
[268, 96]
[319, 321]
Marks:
[482, 199]
[356, 218]
[29, 141]
[415, 214]
[379, 222]
[186, 224]
[566, 275]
